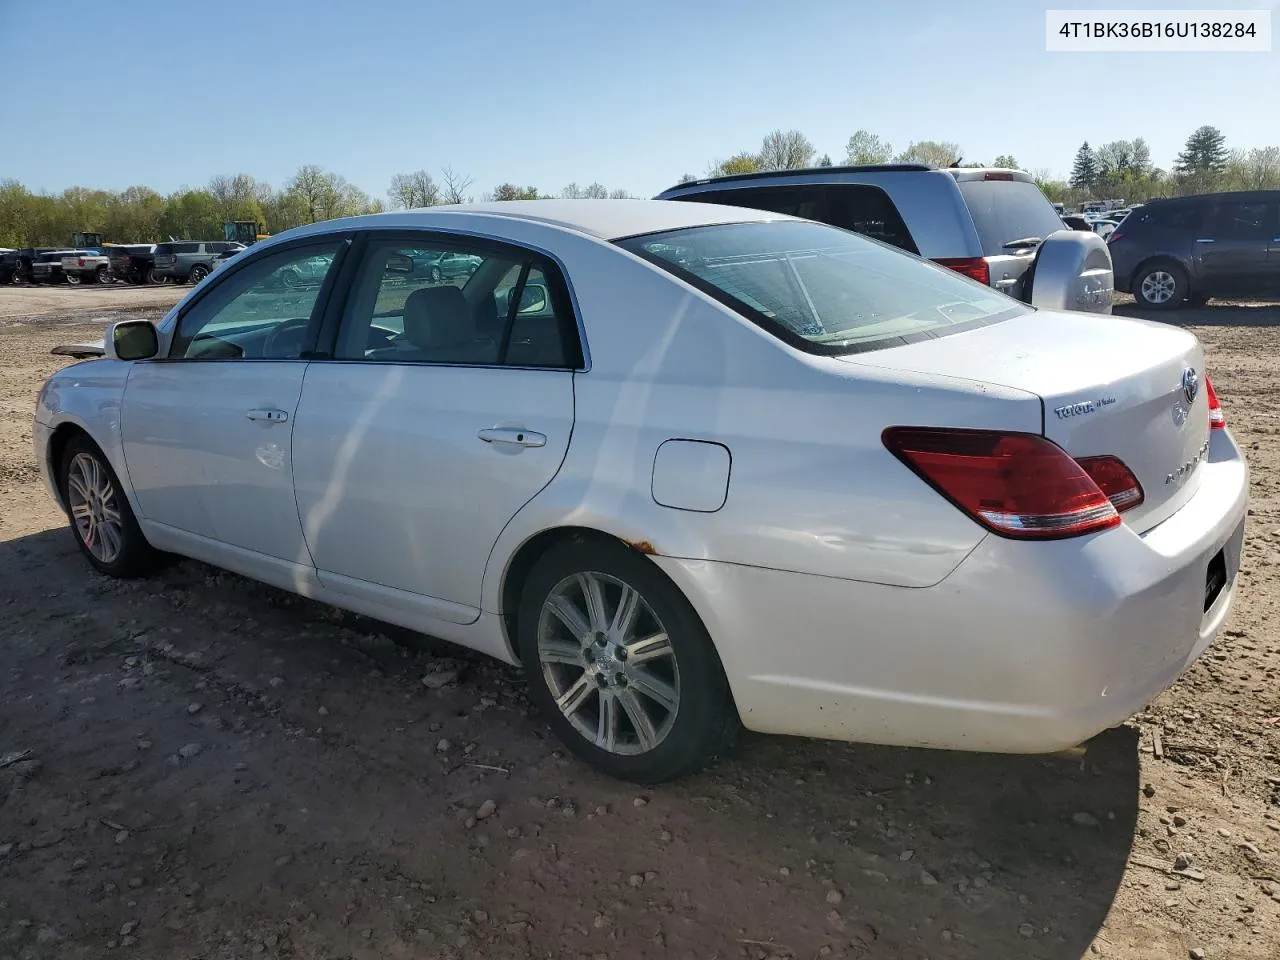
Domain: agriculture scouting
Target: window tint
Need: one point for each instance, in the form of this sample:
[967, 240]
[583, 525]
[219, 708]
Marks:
[822, 289]
[454, 303]
[1241, 220]
[869, 211]
[164, 248]
[800, 201]
[260, 312]
[1007, 210]
[184, 248]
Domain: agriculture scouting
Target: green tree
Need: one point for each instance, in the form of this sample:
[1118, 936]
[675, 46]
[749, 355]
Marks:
[1007, 161]
[509, 191]
[408, 191]
[743, 162]
[865, 147]
[1084, 171]
[1203, 160]
[824, 160]
[936, 153]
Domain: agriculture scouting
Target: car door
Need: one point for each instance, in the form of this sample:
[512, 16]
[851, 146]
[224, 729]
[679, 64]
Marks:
[207, 429]
[435, 421]
[1231, 249]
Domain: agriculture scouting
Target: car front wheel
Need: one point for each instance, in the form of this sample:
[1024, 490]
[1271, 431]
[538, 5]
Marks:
[101, 519]
[1160, 286]
[621, 664]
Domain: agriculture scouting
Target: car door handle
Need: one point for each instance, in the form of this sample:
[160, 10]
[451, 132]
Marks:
[1198, 240]
[517, 436]
[268, 414]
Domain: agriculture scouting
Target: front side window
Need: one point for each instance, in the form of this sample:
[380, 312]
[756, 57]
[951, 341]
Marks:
[456, 302]
[258, 312]
[822, 289]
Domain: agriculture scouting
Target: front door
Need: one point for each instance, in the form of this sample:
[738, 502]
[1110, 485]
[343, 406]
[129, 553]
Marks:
[447, 406]
[207, 430]
[1231, 248]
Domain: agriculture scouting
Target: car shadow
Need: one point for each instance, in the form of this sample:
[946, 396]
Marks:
[786, 846]
[1210, 315]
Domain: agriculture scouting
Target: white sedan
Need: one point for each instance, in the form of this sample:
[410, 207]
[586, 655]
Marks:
[690, 466]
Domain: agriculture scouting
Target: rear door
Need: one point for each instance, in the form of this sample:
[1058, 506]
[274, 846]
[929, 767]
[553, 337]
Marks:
[1232, 248]
[208, 430]
[435, 421]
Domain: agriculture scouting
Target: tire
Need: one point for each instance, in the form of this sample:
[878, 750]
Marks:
[1160, 285]
[73, 279]
[436, 275]
[290, 279]
[122, 553]
[152, 277]
[103, 275]
[584, 665]
[198, 273]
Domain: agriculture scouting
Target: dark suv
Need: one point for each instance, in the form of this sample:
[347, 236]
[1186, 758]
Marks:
[1168, 252]
[990, 224]
[134, 262]
[189, 260]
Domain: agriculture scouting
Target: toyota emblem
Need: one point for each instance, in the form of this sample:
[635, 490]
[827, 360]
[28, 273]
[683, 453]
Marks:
[1190, 384]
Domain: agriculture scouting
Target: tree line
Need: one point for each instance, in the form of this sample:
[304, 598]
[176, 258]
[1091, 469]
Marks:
[1120, 168]
[140, 214]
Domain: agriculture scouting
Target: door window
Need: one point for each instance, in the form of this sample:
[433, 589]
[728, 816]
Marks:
[869, 211]
[1242, 220]
[263, 311]
[456, 303]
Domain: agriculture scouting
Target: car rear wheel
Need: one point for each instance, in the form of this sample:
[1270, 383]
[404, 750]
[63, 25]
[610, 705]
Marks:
[103, 275]
[1160, 286]
[436, 275]
[101, 520]
[73, 278]
[621, 664]
[153, 277]
[290, 278]
[198, 273]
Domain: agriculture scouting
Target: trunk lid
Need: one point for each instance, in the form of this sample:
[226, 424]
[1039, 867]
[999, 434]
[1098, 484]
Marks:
[1109, 386]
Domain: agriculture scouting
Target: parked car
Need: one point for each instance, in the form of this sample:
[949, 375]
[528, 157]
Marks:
[1104, 228]
[189, 261]
[87, 268]
[302, 272]
[992, 225]
[8, 265]
[135, 262]
[1189, 249]
[23, 260]
[1076, 222]
[720, 466]
[47, 267]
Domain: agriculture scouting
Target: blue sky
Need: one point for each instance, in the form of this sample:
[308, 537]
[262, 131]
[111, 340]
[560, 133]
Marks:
[630, 94]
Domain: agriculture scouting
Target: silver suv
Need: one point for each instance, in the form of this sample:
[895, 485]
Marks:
[992, 225]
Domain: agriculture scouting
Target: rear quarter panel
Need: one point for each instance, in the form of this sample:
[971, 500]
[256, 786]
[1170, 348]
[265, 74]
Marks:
[811, 488]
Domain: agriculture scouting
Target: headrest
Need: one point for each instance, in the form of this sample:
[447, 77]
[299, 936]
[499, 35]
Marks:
[438, 317]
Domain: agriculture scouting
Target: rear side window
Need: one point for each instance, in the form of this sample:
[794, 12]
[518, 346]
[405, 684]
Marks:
[186, 248]
[1242, 220]
[858, 207]
[869, 211]
[1173, 216]
[822, 289]
[1007, 210]
[164, 249]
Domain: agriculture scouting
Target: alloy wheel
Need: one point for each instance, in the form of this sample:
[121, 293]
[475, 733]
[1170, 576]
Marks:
[1158, 286]
[95, 510]
[608, 663]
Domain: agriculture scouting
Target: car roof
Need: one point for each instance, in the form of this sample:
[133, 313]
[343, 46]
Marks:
[840, 174]
[605, 219]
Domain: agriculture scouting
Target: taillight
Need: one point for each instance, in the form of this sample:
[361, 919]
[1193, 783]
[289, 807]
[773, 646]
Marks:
[1115, 480]
[975, 268]
[997, 176]
[82, 261]
[1217, 419]
[1018, 485]
[1114, 235]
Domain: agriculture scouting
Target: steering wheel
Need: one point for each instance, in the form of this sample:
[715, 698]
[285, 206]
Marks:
[296, 328]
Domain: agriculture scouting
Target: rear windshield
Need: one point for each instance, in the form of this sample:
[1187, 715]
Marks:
[1008, 210]
[822, 289]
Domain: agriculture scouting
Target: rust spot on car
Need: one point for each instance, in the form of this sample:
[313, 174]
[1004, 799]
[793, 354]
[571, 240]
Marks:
[642, 546]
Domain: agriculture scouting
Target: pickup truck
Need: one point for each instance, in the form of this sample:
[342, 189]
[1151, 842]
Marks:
[47, 267]
[87, 267]
[134, 263]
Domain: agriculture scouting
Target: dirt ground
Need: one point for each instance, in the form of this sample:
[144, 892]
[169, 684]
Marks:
[196, 766]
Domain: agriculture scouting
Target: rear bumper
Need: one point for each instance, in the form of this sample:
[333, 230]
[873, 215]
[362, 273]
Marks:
[1024, 648]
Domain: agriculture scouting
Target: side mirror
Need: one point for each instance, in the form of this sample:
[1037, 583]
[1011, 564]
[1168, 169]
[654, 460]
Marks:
[533, 298]
[134, 340]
